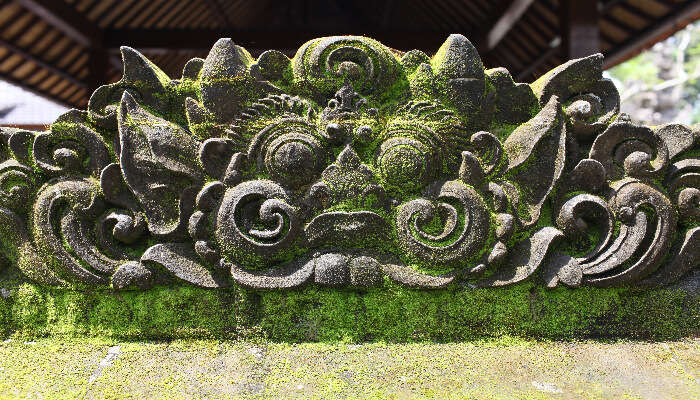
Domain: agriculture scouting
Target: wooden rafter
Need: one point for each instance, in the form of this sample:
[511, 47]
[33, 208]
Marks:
[634, 10]
[162, 40]
[548, 54]
[172, 13]
[65, 18]
[474, 8]
[465, 14]
[609, 4]
[506, 22]
[672, 22]
[38, 61]
[580, 33]
[219, 13]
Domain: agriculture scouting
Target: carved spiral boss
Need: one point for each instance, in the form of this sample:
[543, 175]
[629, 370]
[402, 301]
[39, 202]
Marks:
[346, 165]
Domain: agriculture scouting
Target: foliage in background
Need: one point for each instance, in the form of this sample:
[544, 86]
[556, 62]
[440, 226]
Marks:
[662, 85]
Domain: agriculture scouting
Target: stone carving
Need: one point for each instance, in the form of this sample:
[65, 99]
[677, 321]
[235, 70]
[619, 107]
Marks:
[348, 165]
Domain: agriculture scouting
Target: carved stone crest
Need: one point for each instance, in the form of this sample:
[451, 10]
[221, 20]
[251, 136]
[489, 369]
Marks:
[347, 165]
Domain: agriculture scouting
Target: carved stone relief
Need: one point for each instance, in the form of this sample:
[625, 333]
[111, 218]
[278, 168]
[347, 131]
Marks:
[348, 165]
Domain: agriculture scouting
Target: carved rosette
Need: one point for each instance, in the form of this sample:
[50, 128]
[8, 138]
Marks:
[347, 165]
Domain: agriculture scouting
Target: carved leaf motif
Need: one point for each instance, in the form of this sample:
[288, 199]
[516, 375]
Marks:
[591, 101]
[181, 261]
[620, 263]
[562, 268]
[535, 152]
[143, 78]
[570, 78]
[64, 231]
[159, 163]
[685, 258]
[409, 277]
[286, 276]
[514, 101]
[525, 259]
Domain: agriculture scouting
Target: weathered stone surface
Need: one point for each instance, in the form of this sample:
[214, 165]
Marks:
[132, 274]
[349, 164]
[365, 271]
[182, 262]
[591, 101]
[332, 269]
[514, 101]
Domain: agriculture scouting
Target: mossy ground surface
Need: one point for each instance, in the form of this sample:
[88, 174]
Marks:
[505, 368]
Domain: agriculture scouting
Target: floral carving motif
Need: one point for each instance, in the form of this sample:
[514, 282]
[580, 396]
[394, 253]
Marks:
[349, 164]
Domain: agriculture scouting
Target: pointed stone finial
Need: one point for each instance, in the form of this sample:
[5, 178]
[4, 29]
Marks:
[226, 60]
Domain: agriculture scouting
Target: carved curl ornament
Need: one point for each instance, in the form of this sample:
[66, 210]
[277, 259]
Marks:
[348, 165]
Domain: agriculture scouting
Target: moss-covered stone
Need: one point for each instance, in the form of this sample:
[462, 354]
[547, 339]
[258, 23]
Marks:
[385, 313]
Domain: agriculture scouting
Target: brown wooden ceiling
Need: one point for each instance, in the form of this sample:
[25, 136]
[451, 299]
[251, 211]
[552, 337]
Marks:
[63, 49]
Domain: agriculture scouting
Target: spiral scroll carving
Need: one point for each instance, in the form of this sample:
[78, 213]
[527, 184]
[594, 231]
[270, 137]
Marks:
[72, 147]
[405, 162]
[17, 185]
[64, 221]
[369, 65]
[464, 223]
[289, 151]
[627, 149]
[255, 217]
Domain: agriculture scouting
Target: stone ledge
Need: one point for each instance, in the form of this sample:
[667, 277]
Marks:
[504, 368]
[389, 312]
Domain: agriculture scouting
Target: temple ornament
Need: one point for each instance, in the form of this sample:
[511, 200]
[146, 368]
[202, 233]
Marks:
[348, 165]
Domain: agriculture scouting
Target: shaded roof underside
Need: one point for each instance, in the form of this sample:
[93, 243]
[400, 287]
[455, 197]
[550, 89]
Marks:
[62, 49]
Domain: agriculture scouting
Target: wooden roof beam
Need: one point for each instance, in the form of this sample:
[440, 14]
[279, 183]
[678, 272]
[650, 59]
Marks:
[636, 11]
[552, 49]
[66, 19]
[165, 40]
[218, 12]
[606, 5]
[505, 23]
[665, 26]
[40, 62]
[578, 21]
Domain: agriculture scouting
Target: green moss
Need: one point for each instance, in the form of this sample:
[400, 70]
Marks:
[501, 130]
[387, 313]
[390, 85]
[28, 307]
[493, 369]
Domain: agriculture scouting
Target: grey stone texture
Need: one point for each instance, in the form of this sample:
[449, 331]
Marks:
[348, 165]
